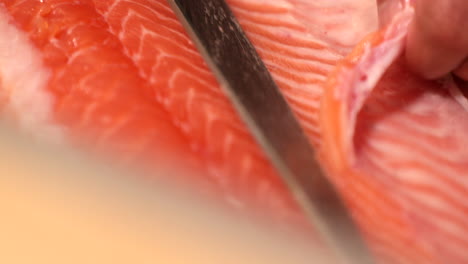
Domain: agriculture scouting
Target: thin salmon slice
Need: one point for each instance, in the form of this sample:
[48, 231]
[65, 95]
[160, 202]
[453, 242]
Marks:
[396, 145]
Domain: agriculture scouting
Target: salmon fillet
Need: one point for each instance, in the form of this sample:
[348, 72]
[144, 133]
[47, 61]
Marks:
[123, 76]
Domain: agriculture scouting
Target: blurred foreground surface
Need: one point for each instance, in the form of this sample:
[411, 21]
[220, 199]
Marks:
[58, 207]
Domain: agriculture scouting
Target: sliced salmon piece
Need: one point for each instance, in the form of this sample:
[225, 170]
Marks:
[396, 146]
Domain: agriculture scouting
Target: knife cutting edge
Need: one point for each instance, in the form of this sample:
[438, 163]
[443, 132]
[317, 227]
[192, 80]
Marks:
[243, 76]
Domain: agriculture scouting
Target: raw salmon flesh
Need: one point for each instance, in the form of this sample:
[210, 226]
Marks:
[122, 77]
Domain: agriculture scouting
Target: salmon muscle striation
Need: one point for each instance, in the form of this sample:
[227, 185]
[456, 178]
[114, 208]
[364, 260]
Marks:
[397, 148]
[125, 77]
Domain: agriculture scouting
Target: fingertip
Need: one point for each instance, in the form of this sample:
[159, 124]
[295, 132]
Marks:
[462, 71]
[435, 45]
[428, 59]
[419, 56]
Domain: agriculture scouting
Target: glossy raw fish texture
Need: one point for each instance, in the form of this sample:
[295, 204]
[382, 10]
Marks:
[124, 78]
[397, 145]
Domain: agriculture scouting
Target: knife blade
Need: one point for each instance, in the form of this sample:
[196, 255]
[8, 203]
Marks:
[246, 80]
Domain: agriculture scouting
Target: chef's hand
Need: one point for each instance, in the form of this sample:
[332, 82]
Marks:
[437, 43]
